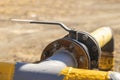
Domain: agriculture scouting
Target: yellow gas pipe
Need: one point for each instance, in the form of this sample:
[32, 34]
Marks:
[83, 74]
[102, 35]
[6, 71]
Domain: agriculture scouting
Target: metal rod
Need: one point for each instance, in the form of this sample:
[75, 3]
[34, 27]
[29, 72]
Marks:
[44, 22]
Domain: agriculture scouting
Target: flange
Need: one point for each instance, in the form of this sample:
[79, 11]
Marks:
[91, 44]
[93, 47]
[78, 50]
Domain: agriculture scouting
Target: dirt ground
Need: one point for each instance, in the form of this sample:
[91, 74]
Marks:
[25, 42]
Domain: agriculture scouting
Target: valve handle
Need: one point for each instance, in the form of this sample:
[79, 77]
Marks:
[44, 22]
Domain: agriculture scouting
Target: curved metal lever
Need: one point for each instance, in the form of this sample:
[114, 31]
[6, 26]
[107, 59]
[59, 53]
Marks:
[44, 22]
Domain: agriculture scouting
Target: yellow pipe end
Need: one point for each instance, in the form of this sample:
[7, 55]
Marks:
[102, 35]
[83, 74]
[6, 71]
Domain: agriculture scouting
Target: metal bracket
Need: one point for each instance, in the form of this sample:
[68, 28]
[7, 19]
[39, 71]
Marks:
[73, 35]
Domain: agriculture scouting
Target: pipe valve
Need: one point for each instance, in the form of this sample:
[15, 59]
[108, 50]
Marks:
[73, 57]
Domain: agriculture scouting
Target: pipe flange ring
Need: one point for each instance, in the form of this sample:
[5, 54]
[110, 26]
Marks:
[77, 49]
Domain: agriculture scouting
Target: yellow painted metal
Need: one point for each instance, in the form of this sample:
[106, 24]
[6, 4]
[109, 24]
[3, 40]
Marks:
[102, 35]
[6, 71]
[83, 74]
[106, 61]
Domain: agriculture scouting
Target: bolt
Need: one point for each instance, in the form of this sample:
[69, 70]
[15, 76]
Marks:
[94, 48]
[71, 46]
[55, 44]
[94, 63]
[81, 59]
[85, 37]
[44, 55]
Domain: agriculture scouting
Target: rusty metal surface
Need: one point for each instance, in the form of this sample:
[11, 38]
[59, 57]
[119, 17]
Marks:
[80, 53]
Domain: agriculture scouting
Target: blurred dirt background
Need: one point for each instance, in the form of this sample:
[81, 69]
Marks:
[25, 42]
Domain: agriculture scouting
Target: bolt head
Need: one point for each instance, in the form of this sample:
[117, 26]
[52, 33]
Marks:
[85, 37]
